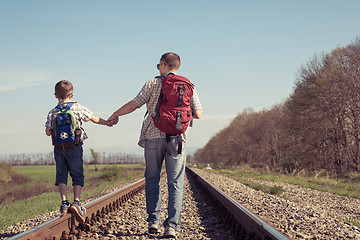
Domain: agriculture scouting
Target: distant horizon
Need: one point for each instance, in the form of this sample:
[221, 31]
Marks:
[108, 150]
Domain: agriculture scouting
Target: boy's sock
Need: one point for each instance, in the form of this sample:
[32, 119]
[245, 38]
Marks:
[76, 202]
[66, 202]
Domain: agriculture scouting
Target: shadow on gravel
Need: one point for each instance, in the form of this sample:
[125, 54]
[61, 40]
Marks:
[211, 220]
[7, 235]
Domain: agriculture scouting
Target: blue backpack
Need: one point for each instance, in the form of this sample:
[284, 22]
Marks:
[64, 127]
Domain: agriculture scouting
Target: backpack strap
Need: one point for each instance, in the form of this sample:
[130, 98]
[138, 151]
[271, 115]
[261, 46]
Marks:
[178, 120]
[58, 107]
[67, 107]
[181, 94]
[161, 96]
[159, 100]
[180, 144]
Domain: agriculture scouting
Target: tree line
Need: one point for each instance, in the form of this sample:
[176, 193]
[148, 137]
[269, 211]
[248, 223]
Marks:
[317, 127]
[48, 158]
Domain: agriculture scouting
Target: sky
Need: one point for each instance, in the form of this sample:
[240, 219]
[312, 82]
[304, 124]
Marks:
[239, 54]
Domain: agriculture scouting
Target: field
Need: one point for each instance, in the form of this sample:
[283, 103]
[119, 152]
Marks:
[347, 185]
[32, 192]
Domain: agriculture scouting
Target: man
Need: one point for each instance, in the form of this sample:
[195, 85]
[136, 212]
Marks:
[157, 149]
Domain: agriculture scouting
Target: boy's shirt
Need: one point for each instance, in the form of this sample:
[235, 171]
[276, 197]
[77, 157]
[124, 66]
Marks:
[81, 113]
[149, 95]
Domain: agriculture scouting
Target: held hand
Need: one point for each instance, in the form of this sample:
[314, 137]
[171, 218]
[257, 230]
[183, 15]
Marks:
[113, 119]
[109, 124]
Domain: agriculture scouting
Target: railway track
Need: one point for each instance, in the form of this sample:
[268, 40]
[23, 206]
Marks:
[244, 223]
[218, 210]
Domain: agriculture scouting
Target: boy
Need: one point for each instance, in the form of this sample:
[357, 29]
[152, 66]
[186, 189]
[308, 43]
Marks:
[70, 159]
[156, 149]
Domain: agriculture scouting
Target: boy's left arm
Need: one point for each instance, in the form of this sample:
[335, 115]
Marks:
[101, 121]
[48, 124]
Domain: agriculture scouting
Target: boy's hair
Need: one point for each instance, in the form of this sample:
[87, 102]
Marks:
[171, 59]
[63, 89]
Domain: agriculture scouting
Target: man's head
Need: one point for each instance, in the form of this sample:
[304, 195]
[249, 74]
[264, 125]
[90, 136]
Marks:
[63, 90]
[169, 62]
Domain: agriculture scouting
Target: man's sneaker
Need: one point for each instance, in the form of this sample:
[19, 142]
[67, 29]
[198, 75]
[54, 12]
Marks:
[169, 232]
[154, 228]
[64, 209]
[78, 211]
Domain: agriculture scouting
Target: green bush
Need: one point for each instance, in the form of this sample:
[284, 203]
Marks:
[111, 174]
[287, 164]
[353, 176]
[276, 190]
[5, 172]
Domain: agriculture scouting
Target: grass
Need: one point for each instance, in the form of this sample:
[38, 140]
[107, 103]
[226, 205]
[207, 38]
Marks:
[274, 190]
[348, 185]
[15, 209]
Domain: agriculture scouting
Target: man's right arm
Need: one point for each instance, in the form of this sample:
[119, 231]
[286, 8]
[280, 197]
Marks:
[142, 97]
[125, 109]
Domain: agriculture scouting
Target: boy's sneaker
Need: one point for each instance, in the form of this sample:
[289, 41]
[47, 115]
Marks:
[154, 228]
[169, 232]
[64, 209]
[78, 211]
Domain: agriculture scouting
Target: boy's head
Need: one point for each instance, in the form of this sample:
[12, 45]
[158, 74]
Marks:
[63, 90]
[171, 61]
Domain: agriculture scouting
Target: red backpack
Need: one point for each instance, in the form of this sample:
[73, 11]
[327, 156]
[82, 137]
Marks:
[173, 111]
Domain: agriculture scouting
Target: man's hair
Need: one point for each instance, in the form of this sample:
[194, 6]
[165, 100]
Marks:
[171, 59]
[63, 89]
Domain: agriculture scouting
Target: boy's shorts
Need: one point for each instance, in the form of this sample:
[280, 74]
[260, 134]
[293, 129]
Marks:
[69, 161]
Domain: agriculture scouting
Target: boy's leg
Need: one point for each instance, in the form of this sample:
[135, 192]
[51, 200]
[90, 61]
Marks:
[61, 178]
[63, 191]
[77, 192]
[175, 170]
[154, 156]
[74, 158]
[61, 167]
[75, 163]
[64, 207]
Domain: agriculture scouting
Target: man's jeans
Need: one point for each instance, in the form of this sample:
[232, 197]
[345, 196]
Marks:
[155, 154]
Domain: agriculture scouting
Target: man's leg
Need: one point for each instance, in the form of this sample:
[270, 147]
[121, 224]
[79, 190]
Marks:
[175, 170]
[154, 157]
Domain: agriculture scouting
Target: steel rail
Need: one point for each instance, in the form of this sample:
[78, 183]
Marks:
[243, 222]
[61, 227]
